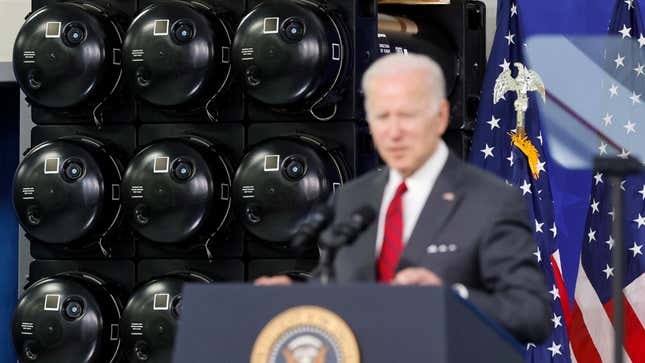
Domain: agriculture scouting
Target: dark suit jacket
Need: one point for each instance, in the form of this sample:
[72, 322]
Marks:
[485, 221]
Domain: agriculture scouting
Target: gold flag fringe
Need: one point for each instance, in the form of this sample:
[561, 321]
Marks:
[522, 142]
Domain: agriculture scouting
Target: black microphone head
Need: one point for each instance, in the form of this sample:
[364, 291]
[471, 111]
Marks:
[319, 218]
[362, 217]
[338, 235]
[345, 233]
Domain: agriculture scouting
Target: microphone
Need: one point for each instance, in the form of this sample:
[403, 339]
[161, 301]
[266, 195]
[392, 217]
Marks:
[343, 234]
[362, 218]
[317, 220]
[340, 235]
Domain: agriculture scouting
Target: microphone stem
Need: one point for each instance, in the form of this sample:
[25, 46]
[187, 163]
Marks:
[327, 271]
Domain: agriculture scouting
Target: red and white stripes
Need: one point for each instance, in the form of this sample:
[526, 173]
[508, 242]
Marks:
[589, 322]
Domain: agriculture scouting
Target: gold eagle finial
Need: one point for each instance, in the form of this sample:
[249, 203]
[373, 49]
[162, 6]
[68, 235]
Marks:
[526, 81]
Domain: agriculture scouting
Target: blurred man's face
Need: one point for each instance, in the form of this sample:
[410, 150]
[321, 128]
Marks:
[404, 127]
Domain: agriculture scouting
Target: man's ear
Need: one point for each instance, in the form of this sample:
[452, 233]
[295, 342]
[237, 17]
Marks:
[443, 117]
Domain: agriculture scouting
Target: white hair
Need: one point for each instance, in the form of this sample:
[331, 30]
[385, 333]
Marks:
[397, 63]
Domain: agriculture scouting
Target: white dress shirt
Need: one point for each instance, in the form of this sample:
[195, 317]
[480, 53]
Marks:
[419, 184]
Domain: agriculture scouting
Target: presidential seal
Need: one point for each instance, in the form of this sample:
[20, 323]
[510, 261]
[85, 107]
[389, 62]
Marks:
[306, 334]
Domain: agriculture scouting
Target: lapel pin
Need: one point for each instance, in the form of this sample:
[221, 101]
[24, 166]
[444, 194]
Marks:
[449, 197]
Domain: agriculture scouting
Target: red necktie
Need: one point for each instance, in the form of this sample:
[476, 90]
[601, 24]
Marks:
[392, 237]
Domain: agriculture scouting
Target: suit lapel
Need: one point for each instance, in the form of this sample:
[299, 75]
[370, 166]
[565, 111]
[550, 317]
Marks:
[364, 250]
[441, 204]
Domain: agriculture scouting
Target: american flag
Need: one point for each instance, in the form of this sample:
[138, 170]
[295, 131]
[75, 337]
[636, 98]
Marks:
[590, 321]
[492, 150]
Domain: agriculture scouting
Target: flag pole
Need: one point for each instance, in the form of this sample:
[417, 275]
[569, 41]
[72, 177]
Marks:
[619, 271]
[617, 168]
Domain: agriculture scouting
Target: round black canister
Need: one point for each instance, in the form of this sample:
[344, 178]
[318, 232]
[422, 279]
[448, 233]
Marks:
[67, 190]
[289, 53]
[68, 54]
[177, 189]
[177, 53]
[149, 319]
[70, 317]
[280, 180]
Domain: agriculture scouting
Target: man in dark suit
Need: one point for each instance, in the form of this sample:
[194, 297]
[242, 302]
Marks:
[441, 221]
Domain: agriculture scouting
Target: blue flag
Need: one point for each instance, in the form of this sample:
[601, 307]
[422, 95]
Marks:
[508, 142]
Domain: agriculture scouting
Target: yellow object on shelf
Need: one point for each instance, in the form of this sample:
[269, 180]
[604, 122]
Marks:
[389, 23]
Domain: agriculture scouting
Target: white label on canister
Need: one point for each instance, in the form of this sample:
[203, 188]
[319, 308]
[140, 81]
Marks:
[384, 48]
[271, 162]
[161, 27]
[161, 301]
[136, 192]
[137, 55]
[161, 165]
[136, 329]
[28, 193]
[248, 54]
[51, 165]
[52, 302]
[271, 25]
[26, 328]
[52, 29]
[29, 56]
[248, 191]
